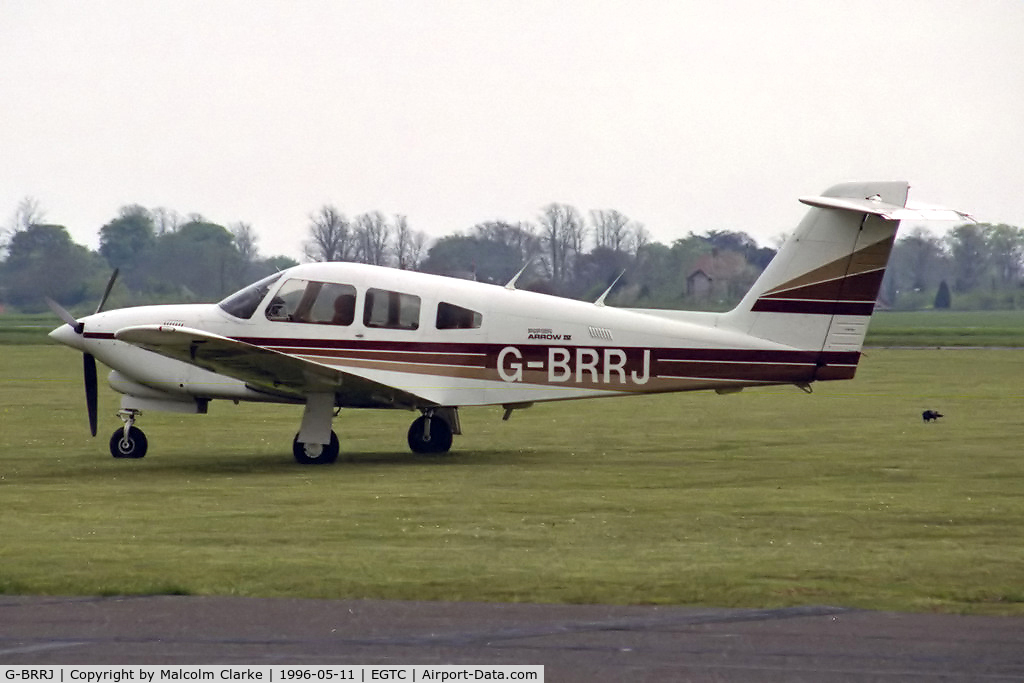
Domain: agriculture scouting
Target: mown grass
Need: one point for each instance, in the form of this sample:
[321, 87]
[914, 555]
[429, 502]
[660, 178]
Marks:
[26, 328]
[947, 328]
[765, 498]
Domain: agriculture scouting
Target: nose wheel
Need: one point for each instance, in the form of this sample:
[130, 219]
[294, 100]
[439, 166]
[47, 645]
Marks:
[128, 441]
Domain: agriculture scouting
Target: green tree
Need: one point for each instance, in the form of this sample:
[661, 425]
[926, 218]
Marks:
[599, 268]
[1005, 245]
[473, 257]
[244, 239]
[917, 264]
[199, 261]
[969, 251]
[520, 236]
[943, 298]
[42, 261]
[742, 243]
[275, 263]
[126, 241]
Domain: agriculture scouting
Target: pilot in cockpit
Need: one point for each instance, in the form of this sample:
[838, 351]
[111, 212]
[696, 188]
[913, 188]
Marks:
[344, 309]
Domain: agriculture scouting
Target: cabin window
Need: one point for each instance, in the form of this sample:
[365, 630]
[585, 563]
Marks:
[391, 310]
[244, 302]
[452, 317]
[318, 303]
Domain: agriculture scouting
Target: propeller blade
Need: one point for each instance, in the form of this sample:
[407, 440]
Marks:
[89, 366]
[106, 292]
[64, 315]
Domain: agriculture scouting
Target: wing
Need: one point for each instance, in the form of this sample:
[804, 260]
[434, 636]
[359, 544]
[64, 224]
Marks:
[267, 370]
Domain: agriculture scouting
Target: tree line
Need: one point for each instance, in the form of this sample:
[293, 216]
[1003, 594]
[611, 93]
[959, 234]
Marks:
[564, 252]
[973, 266]
[163, 256]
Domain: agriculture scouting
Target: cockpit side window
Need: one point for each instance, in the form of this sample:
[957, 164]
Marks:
[318, 303]
[243, 303]
[391, 310]
[452, 317]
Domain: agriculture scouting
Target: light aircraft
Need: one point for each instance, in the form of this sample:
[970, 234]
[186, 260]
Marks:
[345, 335]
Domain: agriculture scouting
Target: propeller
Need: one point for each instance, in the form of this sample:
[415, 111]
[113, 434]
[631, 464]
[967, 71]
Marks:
[89, 372]
[88, 360]
[106, 291]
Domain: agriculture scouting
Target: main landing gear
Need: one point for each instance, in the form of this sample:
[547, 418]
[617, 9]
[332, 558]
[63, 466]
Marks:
[430, 435]
[316, 453]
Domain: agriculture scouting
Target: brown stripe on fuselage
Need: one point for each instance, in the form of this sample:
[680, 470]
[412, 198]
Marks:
[655, 384]
[532, 351]
[737, 371]
[413, 357]
[829, 373]
[434, 369]
[669, 369]
[389, 345]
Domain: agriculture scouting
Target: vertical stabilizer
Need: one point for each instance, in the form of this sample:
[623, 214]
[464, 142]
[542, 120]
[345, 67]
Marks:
[819, 291]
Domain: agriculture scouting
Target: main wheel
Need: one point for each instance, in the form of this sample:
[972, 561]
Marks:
[134, 445]
[315, 453]
[438, 441]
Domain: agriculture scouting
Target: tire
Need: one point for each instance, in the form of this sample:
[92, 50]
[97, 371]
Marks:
[328, 454]
[134, 447]
[440, 436]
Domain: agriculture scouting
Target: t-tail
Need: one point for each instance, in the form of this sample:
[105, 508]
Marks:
[819, 291]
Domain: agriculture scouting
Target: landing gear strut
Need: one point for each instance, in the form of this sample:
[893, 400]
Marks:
[430, 434]
[316, 453]
[128, 441]
[316, 443]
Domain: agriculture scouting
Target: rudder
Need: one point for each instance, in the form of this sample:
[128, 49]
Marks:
[819, 291]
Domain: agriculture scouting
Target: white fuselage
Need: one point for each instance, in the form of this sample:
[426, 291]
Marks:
[500, 346]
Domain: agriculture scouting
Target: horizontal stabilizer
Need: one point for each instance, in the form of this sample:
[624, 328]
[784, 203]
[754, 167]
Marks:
[891, 212]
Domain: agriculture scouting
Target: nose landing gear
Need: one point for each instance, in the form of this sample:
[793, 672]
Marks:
[128, 441]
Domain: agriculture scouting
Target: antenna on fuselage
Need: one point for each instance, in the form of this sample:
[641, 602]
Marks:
[600, 299]
[512, 283]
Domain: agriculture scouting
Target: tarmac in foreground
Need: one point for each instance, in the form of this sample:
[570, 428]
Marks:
[573, 642]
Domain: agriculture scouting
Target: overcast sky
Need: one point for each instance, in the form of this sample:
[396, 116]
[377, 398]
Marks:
[683, 115]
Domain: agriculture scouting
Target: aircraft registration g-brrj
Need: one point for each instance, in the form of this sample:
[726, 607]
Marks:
[347, 335]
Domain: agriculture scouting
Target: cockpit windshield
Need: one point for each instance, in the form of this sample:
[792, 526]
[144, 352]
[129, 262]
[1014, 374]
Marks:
[243, 303]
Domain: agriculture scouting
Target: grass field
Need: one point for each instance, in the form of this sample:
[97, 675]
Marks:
[947, 328]
[766, 498]
[18, 328]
